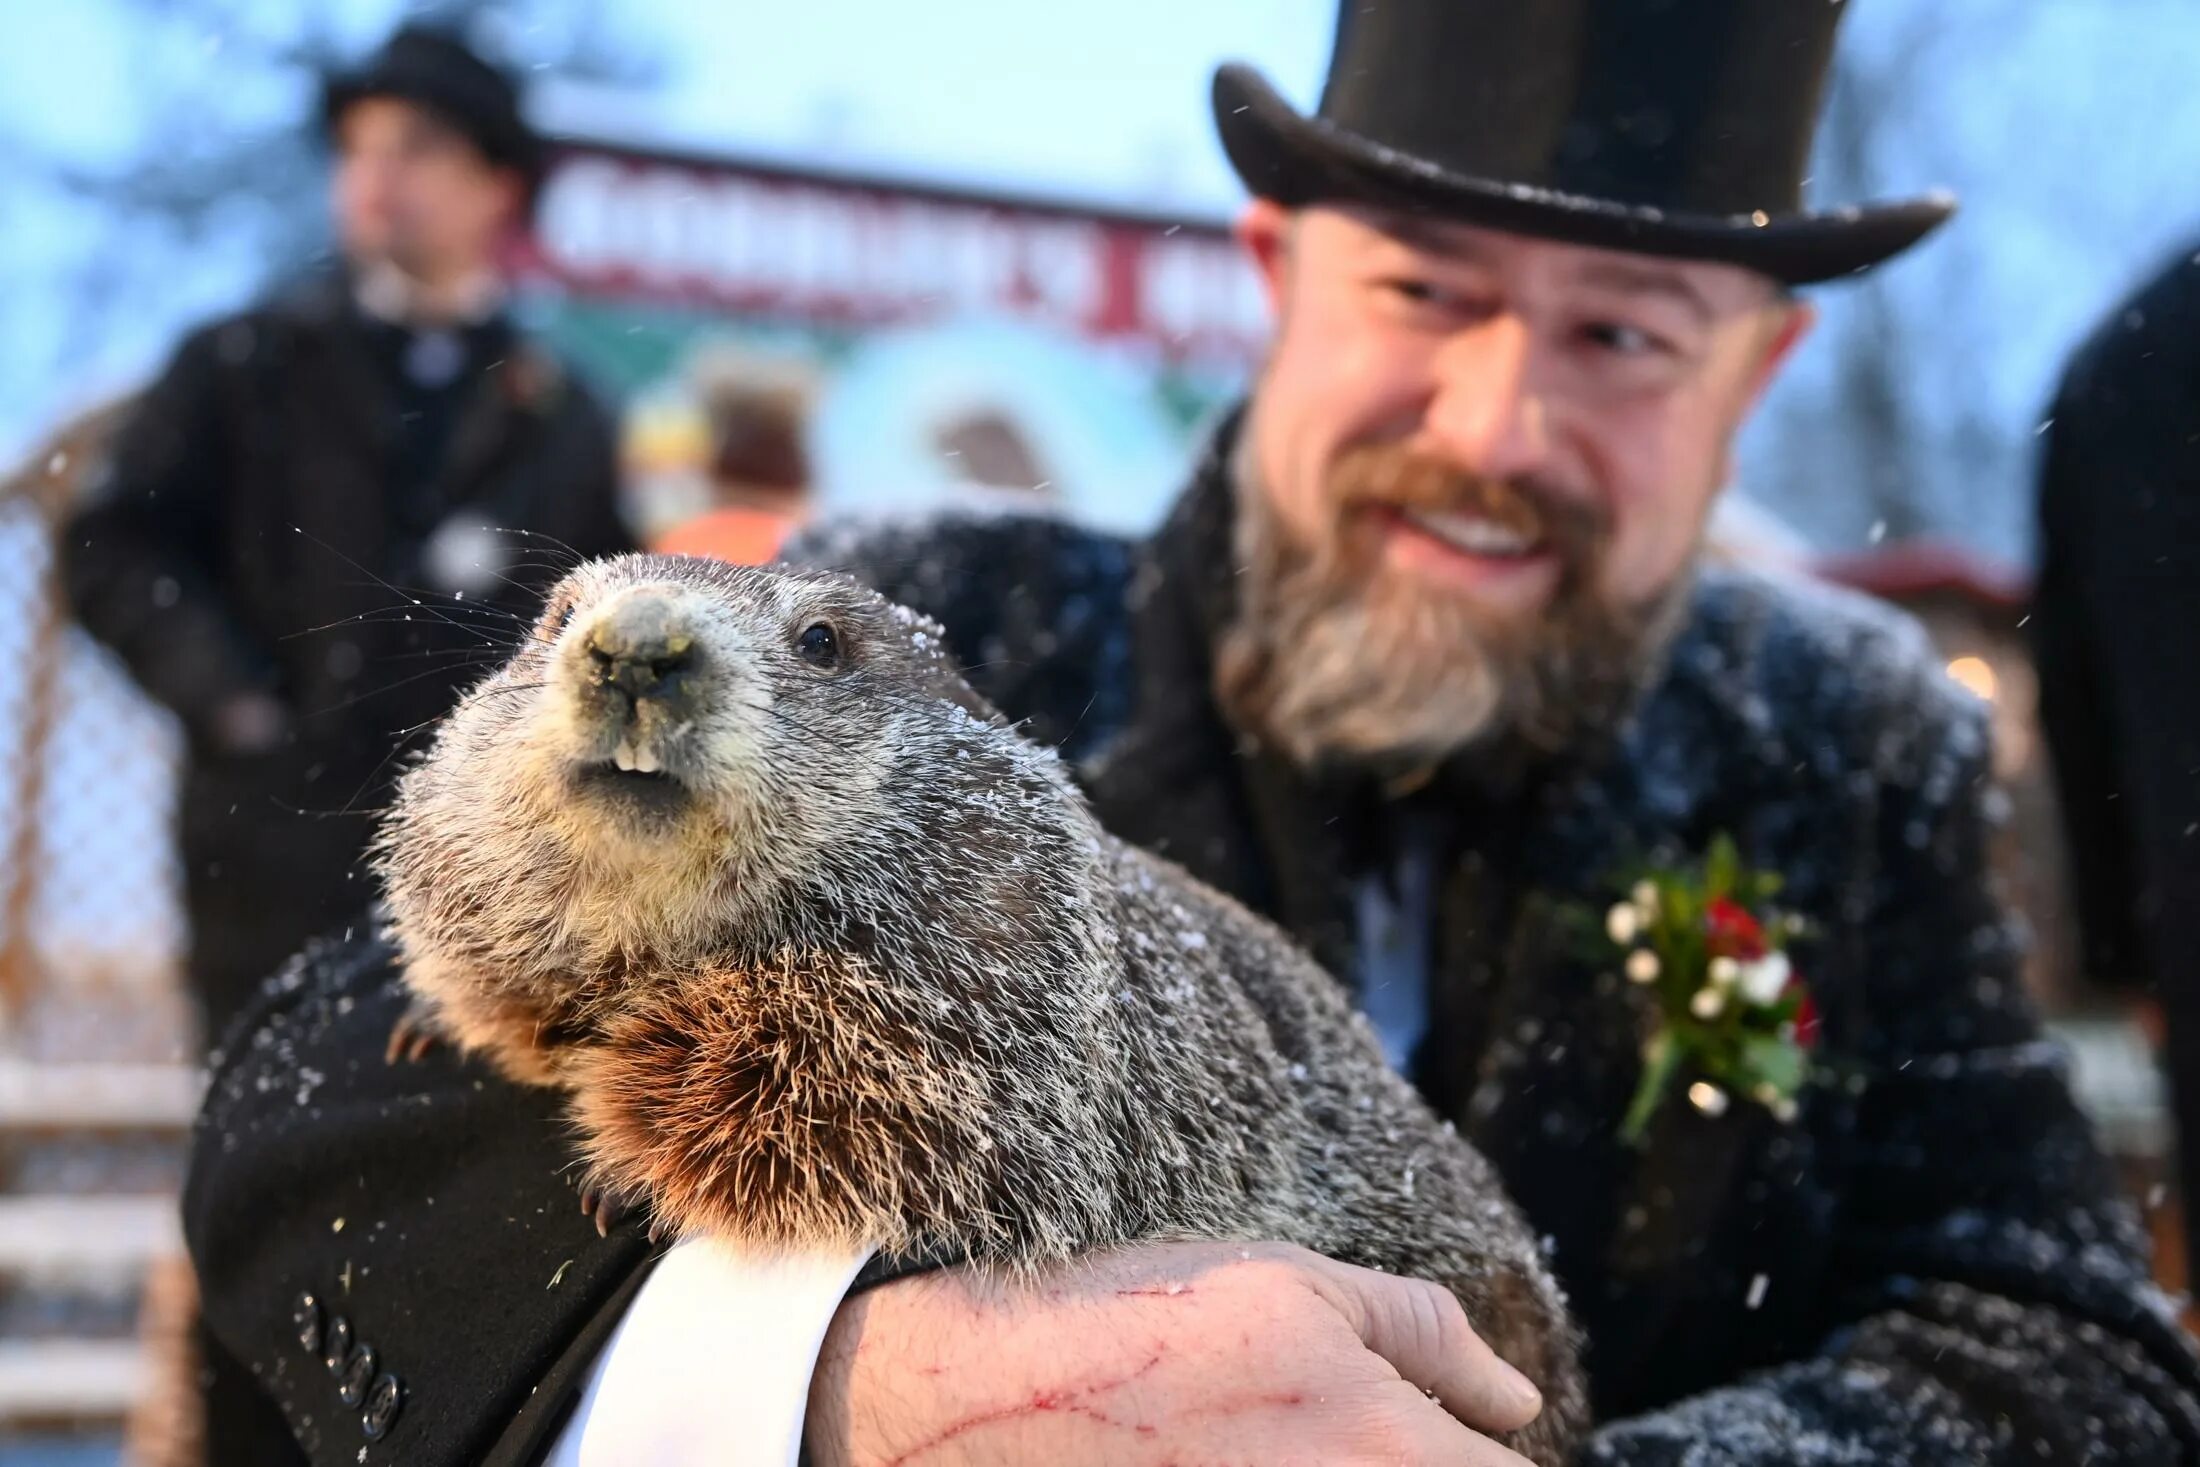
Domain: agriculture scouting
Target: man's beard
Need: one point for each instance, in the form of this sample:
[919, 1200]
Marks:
[1340, 664]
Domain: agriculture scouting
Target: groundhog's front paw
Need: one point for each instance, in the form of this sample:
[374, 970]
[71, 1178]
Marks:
[413, 1035]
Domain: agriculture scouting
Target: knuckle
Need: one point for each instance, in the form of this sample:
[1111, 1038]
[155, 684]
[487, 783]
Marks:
[1449, 1327]
[1418, 1312]
[1274, 1258]
[1272, 1275]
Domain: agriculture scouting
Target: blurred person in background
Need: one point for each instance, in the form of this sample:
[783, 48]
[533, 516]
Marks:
[302, 471]
[1425, 656]
[755, 471]
[2113, 621]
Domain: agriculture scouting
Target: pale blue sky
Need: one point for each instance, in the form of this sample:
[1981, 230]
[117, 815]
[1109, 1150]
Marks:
[1095, 100]
[1079, 99]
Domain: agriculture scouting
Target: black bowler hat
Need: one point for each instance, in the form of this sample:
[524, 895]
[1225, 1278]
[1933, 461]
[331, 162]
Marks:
[1667, 127]
[433, 68]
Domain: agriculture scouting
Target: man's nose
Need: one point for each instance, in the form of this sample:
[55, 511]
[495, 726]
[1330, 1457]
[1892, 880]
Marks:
[1489, 412]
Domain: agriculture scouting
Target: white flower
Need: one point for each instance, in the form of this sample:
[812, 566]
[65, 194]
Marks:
[1763, 981]
[1642, 966]
[1646, 898]
[1707, 1003]
[1623, 922]
[1724, 971]
[1708, 1098]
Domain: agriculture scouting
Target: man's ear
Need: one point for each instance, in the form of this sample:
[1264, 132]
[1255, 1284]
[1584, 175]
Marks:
[1791, 322]
[1787, 322]
[513, 201]
[1264, 229]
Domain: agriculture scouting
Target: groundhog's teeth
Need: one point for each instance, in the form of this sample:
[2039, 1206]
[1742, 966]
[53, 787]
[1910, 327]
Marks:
[645, 760]
[623, 757]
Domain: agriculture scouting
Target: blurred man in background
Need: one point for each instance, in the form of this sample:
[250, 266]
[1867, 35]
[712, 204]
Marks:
[303, 471]
[2113, 622]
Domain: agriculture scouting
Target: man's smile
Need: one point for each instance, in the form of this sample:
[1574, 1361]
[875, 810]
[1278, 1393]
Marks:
[1475, 534]
[1502, 563]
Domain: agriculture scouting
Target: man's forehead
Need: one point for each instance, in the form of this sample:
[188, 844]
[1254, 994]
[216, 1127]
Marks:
[1708, 286]
[384, 115]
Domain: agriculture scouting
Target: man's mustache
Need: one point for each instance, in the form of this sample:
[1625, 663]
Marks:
[1382, 475]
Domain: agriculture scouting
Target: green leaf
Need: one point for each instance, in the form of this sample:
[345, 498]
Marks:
[1658, 1064]
[1773, 1061]
[1722, 867]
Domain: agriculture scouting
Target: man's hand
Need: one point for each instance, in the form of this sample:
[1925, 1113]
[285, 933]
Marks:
[1175, 1352]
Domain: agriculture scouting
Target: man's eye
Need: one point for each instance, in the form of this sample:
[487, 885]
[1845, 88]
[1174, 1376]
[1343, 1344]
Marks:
[1629, 341]
[1420, 292]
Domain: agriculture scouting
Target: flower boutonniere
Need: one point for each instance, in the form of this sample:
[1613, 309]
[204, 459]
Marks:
[1709, 948]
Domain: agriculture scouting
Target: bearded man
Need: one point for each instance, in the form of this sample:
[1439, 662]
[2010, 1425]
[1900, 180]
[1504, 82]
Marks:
[1427, 651]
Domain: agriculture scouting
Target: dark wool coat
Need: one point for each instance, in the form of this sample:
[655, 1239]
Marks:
[2112, 625]
[267, 493]
[1930, 1266]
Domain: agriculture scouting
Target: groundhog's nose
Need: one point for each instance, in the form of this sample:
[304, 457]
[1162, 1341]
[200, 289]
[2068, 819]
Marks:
[641, 649]
[650, 672]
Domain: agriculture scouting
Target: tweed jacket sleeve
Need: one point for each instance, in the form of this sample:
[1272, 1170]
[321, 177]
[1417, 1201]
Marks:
[1992, 1301]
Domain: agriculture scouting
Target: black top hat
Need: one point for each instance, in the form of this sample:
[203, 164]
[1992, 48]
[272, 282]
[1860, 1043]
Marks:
[1668, 127]
[434, 68]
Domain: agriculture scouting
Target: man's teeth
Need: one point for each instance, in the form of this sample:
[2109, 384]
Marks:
[1473, 534]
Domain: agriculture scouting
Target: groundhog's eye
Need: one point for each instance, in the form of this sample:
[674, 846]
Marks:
[819, 645]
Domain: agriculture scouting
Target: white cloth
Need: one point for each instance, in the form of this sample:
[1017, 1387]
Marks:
[388, 294]
[712, 1362]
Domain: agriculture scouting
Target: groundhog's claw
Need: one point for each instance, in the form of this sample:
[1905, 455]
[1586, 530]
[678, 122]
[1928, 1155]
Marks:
[611, 1205]
[412, 1036]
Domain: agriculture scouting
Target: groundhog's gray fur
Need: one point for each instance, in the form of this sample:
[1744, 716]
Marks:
[856, 964]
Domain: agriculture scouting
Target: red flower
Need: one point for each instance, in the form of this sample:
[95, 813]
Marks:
[1806, 1018]
[1733, 933]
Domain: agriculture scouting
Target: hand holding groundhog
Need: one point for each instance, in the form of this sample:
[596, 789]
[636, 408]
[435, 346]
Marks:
[1168, 1352]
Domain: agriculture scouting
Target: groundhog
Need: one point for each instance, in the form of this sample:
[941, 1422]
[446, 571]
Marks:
[825, 952]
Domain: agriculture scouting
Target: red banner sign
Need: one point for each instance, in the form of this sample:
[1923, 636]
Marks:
[824, 250]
